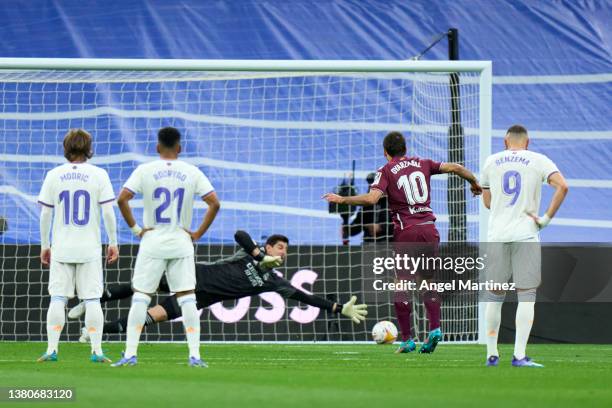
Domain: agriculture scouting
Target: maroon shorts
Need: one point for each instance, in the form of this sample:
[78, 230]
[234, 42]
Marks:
[418, 233]
[417, 241]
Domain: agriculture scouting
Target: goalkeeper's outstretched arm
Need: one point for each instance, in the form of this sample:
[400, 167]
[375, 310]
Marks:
[164, 311]
[356, 313]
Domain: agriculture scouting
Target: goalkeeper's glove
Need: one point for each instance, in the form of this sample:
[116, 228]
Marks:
[270, 262]
[356, 313]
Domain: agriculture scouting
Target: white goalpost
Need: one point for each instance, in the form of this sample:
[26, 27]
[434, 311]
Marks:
[272, 136]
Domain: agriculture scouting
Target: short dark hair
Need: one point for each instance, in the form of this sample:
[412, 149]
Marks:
[517, 129]
[168, 136]
[395, 144]
[274, 239]
[77, 144]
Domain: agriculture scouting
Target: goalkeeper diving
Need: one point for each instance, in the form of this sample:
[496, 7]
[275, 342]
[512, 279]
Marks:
[248, 272]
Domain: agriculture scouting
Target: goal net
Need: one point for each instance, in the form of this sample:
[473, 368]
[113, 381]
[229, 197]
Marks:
[272, 138]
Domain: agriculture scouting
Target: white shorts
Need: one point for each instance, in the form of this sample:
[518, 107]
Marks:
[519, 260]
[180, 274]
[86, 277]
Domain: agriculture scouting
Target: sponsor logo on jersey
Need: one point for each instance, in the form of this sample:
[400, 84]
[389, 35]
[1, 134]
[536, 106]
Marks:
[252, 275]
[416, 210]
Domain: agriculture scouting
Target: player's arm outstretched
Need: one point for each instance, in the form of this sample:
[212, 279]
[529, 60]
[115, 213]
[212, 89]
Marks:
[370, 198]
[356, 312]
[459, 170]
[350, 309]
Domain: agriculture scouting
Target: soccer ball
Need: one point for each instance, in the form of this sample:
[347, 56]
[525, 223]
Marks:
[384, 332]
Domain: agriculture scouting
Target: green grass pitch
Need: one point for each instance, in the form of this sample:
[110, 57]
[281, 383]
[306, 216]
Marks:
[316, 376]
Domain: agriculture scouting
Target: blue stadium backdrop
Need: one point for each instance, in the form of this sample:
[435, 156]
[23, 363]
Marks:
[558, 84]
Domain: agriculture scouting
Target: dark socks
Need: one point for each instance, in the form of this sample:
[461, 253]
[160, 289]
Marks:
[403, 312]
[432, 305]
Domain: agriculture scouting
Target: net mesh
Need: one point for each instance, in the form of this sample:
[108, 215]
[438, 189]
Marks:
[271, 144]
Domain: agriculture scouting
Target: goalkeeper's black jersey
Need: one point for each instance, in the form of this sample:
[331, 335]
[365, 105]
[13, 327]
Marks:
[238, 276]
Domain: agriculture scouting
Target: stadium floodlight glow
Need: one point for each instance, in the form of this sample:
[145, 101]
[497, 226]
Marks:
[274, 135]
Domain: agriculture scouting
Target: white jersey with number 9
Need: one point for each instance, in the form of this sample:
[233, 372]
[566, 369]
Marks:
[515, 179]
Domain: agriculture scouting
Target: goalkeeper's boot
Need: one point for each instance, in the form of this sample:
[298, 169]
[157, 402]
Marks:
[492, 361]
[196, 362]
[84, 338]
[434, 337]
[525, 362]
[125, 361]
[99, 358]
[77, 311]
[48, 357]
[407, 346]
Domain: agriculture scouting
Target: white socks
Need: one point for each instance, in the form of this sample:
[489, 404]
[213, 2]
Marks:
[94, 323]
[56, 317]
[493, 320]
[191, 321]
[524, 321]
[135, 323]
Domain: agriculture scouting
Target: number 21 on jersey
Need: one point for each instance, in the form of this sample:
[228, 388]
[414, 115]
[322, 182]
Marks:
[166, 197]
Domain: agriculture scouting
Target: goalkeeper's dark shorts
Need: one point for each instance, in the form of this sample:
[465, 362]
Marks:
[203, 299]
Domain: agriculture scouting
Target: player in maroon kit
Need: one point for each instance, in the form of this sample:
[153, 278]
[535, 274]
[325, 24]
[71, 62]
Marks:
[406, 183]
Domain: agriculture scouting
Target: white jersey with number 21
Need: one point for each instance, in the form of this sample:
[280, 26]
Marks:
[515, 178]
[167, 188]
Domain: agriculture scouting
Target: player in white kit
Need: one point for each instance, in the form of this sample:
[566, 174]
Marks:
[74, 194]
[512, 182]
[167, 187]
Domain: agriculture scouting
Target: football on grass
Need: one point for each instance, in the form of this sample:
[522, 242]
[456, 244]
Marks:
[384, 332]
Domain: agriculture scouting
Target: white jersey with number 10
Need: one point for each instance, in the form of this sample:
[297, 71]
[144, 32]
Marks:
[167, 188]
[515, 179]
[76, 191]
